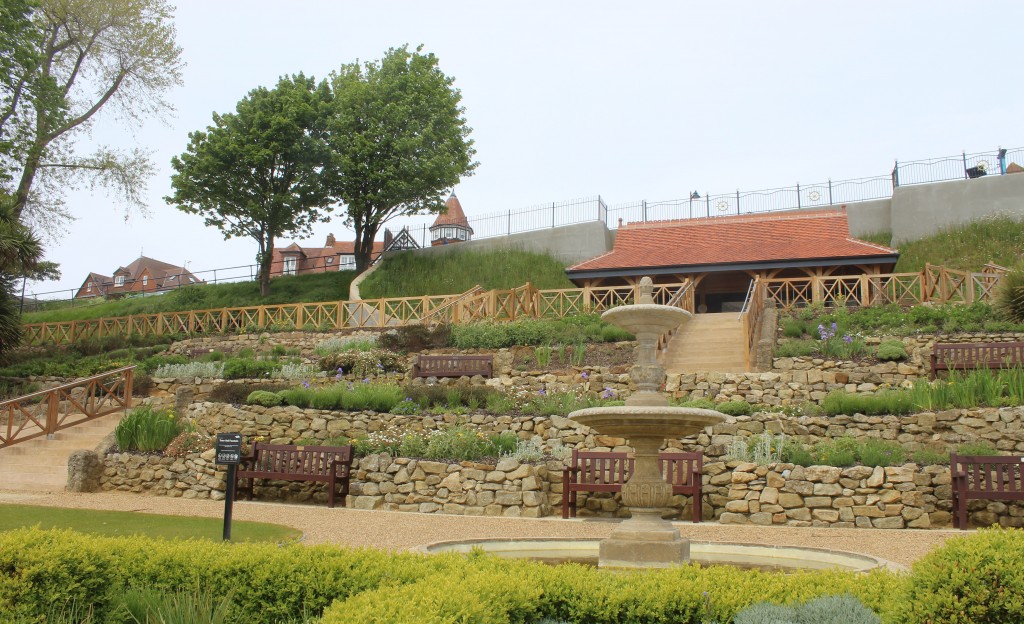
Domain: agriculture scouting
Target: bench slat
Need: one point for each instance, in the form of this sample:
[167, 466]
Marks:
[969, 356]
[453, 365]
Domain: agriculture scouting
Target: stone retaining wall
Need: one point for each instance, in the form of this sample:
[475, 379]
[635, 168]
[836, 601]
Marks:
[736, 492]
[509, 488]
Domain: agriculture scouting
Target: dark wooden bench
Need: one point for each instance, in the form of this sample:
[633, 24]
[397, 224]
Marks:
[972, 355]
[453, 365]
[606, 471]
[285, 462]
[998, 477]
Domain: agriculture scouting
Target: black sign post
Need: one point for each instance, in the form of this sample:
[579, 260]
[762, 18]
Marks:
[229, 453]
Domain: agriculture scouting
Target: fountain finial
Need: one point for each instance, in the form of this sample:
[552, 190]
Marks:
[646, 290]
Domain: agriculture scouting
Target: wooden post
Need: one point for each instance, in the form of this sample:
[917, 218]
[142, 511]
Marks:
[298, 316]
[51, 413]
[129, 378]
[865, 291]
[261, 317]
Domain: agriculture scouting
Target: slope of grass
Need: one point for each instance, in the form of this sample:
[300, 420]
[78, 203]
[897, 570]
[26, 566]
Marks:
[410, 274]
[113, 523]
[967, 248]
[287, 289]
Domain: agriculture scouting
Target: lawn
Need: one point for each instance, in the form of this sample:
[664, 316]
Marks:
[119, 523]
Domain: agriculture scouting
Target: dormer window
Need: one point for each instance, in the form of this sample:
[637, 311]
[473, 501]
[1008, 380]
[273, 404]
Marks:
[145, 281]
[290, 266]
[118, 281]
[346, 263]
[88, 287]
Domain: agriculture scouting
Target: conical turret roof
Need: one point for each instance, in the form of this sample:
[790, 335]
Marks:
[453, 215]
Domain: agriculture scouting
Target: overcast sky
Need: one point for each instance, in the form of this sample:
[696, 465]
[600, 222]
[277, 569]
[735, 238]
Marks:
[645, 100]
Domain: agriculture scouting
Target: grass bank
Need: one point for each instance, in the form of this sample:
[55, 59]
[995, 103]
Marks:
[412, 274]
[287, 289]
[967, 247]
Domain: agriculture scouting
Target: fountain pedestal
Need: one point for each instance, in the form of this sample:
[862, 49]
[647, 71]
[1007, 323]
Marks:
[645, 539]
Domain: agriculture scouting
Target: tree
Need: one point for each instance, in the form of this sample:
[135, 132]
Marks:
[260, 171]
[19, 256]
[77, 58]
[399, 140]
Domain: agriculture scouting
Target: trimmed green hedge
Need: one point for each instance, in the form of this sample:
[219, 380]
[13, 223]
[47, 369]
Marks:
[976, 579]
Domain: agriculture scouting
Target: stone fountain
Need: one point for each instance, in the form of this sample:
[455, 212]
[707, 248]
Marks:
[645, 539]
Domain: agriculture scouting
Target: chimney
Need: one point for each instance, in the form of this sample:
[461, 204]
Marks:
[330, 240]
[388, 237]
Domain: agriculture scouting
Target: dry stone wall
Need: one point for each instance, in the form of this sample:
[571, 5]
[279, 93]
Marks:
[905, 496]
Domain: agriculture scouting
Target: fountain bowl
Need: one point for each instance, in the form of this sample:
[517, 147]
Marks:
[630, 421]
[649, 318]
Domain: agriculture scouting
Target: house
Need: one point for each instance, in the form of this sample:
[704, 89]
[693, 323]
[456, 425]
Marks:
[722, 255]
[144, 275]
[451, 226]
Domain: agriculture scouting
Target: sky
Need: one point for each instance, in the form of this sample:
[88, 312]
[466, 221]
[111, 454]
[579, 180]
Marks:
[630, 101]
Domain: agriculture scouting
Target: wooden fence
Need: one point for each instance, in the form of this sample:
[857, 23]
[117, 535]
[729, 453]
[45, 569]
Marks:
[934, 284]
[750, 316]
[48, 411]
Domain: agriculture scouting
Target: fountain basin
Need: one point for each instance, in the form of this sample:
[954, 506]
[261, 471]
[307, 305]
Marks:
[755, 556]
[646, 421]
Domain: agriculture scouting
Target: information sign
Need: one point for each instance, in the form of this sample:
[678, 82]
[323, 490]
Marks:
[229, 448]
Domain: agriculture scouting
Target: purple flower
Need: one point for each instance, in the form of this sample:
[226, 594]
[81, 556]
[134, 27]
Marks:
[847, 339]
[608, 393]
[305, 384]
[584, 374]
[542, 392]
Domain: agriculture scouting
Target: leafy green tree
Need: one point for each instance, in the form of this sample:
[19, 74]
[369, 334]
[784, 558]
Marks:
[64, 62]
[400, 141]
[259, 172]
[19, 254]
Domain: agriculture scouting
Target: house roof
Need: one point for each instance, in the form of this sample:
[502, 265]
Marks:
[747, 240]
[331, 248]
[453, 215]
[156, 268]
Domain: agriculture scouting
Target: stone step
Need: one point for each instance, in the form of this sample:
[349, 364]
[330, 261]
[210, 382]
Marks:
[707, 342]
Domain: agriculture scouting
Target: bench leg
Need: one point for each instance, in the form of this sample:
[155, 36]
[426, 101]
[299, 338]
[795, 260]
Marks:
[698, 509]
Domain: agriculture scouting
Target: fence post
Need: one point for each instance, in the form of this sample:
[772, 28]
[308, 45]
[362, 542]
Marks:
[128, 390]
[895, 174]
[737, 201]
[707, 202]
[510, 222]
[51, 414]
[830, 191]
[966, 177]
[799, 204]
[552, 214]
[645, 210]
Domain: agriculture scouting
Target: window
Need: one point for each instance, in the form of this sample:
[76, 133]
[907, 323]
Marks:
[346, 263]
[118, 281]
[88, 287]
[435, 234]
[145, 281]
[172, 278]
[330, 261]
[462, 234]
[290, 266]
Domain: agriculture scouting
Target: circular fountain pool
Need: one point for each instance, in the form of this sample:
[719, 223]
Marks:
[752, 556]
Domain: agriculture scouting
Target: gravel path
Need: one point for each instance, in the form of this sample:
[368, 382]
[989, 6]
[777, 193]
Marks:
[401, 531]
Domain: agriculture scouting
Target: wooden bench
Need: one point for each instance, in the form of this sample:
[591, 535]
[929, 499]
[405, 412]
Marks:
[606, 471]
[998, 477]
[285, 462]
[972, 355]
[453, 365]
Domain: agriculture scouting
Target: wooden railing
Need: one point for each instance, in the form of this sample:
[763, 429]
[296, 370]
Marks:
[750, 316]
[48, 411]
[934, 284]
[682, 298]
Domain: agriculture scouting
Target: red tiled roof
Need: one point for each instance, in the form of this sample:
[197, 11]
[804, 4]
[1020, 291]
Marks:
[453, 215]
[808, 235]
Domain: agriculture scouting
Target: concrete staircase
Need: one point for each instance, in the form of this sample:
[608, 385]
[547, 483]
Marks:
[707, 342]
[41, 465]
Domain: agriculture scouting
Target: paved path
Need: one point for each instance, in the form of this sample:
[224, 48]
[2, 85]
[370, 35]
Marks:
[402, 531]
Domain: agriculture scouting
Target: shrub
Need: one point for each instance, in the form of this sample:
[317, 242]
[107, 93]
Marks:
[734, 408]
[793, 327]
[238, 393]
[206, 370]
[975, 579]
[152, 363]
[614, 333]
[348, 343]
[874, 452]
[824, 610]
[361, 363]
[245, 368]
[891, 351]
[145, 429]
[264, 398]
[187, 443]
[796, 348]
[416, 338]
[930, 457]
[699, 404]
[1009, 295]
[295, 371]
[977, 448]
[347, 397]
